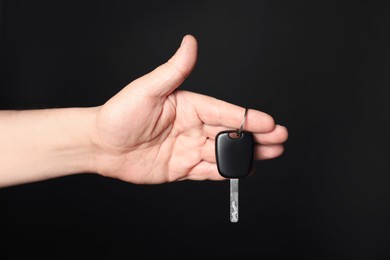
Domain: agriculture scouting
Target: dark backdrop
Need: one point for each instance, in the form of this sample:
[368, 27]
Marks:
[319, 67]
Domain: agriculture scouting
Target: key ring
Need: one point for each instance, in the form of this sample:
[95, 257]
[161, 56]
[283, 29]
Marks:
[242, 122]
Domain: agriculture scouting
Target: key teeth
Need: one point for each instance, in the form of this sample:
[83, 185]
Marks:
[234, 220]
[234, 212]
[234, 206]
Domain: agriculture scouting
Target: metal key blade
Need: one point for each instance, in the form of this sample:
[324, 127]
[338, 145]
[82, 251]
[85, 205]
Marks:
[233, 200]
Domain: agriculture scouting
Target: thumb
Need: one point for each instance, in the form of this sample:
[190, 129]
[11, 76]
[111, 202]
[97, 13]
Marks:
[166, 78]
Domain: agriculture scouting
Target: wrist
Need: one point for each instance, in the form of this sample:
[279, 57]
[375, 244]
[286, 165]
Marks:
[77, 150]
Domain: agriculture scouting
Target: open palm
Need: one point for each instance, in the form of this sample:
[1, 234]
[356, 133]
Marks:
[151, 133]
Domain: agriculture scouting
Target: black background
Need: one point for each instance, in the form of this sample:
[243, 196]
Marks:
[319, 67]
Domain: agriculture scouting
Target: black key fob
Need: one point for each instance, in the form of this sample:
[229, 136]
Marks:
[235, 153]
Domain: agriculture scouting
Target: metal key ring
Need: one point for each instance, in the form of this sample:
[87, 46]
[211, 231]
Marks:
[242, 123]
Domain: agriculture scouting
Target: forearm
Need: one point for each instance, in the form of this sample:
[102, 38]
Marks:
[41, 144]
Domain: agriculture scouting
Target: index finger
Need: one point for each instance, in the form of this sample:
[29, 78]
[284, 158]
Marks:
[217, 112]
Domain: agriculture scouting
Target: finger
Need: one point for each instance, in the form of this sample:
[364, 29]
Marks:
[212, 131]
[205, 171]
[265, 152]
[277, 136]
[208, 151]
[220, 113]
[262, 152]
[166, 78]
[208, 170]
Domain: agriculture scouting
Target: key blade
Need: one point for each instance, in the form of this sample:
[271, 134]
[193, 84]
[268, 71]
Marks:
[233, 200]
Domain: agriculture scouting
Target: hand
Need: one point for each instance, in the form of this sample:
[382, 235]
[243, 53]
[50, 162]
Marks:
[151, 133]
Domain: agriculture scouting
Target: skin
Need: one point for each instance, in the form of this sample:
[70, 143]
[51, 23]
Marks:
[148, 133]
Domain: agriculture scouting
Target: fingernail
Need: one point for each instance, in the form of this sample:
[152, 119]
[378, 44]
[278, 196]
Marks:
[182, 42]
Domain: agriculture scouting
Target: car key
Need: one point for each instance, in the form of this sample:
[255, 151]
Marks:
[234, 155]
